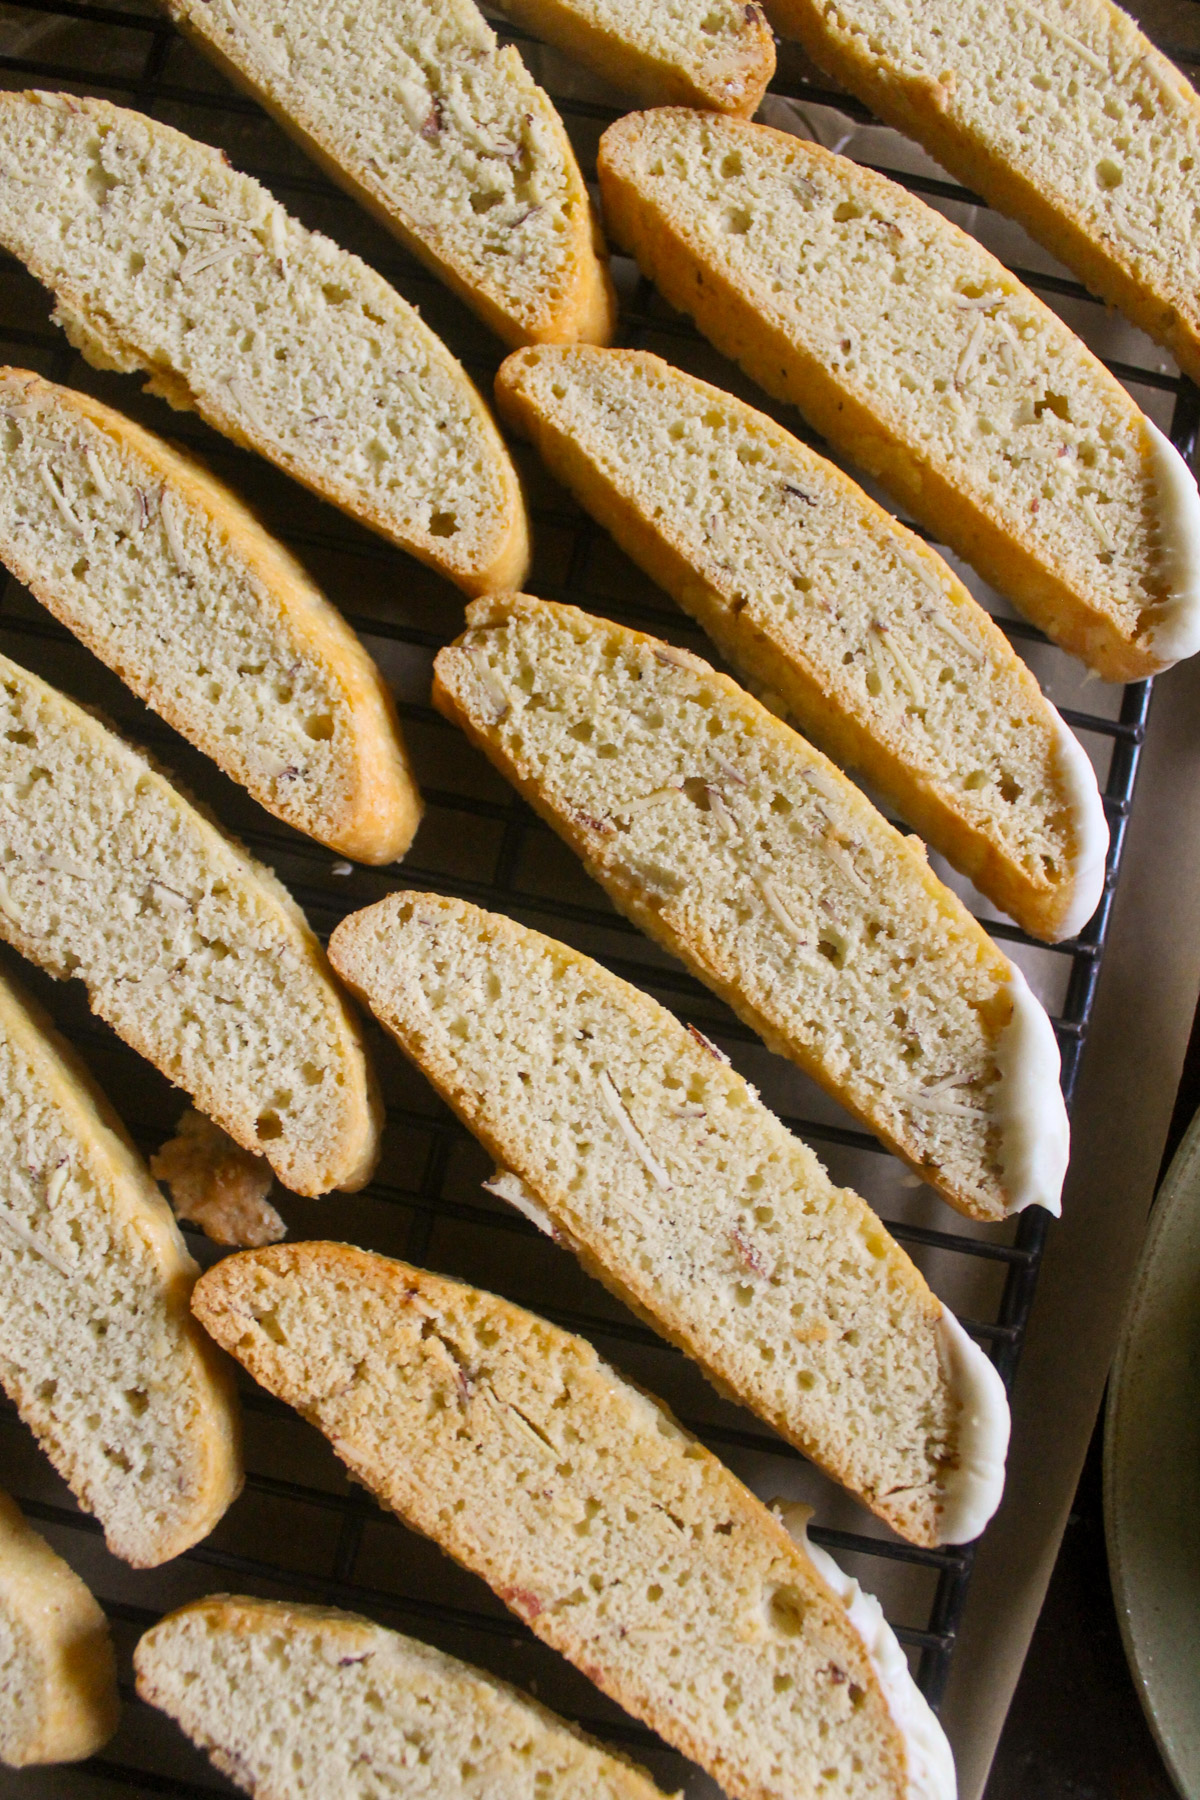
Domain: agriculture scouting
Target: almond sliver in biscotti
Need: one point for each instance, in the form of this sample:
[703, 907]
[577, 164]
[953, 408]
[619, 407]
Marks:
[744, 851]
[916, 353]
[875, 647]
[628, 1138]
[620, 1540]
[164, 258]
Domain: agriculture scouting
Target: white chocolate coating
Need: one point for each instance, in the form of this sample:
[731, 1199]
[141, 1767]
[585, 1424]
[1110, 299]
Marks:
[974, 1488]
[1091, 827]
[930, 1762]
[1027, 1105]
[1175, 627]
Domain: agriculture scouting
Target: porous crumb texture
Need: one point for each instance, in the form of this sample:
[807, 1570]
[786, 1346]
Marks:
[741, 848]
[663, 1168]
[914, 350]
[58, 1681]
[164, 258]
[874, 645]
[443, 135]
[192, 951]
[217, 1185]
[293, 1702]
[617, 1537]
[710, 53]
[164, 575]
[1062, 114]
[97, 1346]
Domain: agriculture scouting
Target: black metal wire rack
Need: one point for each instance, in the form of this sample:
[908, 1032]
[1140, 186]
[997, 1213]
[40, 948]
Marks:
[300, 1529]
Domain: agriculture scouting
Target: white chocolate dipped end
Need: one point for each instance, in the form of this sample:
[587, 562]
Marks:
[1090, 828]
[1027, 1105]
[1175, 632]
[930, 1760]
[972, 1490]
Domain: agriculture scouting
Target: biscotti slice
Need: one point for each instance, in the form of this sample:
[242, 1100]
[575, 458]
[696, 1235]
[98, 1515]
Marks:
[97, 1346]
[58, 1677]
[710, 53]
[618, 1538]
[306, 1703]
[165, 575]
[443, 136]
[164, 258]
[878, 650]
[748, 854]
[190, 949]
[916, 352]
[628, 1138]
[1062, 114]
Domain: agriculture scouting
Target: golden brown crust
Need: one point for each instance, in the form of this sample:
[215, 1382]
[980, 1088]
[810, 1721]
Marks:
[777, 358]
[581, 312]
[382, 809]
[70, 1707]
[734, 82]
[926, 111]
[400, 1302]
[825, 712]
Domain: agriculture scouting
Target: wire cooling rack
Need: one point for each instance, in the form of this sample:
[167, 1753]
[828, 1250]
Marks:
[300, 1529]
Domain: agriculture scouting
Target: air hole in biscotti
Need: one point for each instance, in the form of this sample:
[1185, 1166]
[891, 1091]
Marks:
[269, 1325]
[1109, 173]
[731, 165]
[80, 568]
[335, 294]
[319, 725]
[443, 524]
[846, 210]
[738, 221]
[269, 1126]
[786, 1610]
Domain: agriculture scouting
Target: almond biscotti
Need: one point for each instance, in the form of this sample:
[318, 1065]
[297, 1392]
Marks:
[618, 1538]
[190, 949]
[745, 852]
[876, 648]
[164, 258]
[444, 136]
[301, 1702]
[58, 1676]
[166, 576]
[916, 352]
[628, 1138]
[710, 53]
[97, 1346]
[1062, 114]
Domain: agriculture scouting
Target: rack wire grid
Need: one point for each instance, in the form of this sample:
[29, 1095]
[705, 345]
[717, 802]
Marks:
[300, 1529]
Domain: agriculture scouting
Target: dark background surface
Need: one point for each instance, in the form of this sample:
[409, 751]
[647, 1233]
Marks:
[1076, 1730]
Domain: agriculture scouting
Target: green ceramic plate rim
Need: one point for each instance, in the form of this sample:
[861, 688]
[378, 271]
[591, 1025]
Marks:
[1152, 1471]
